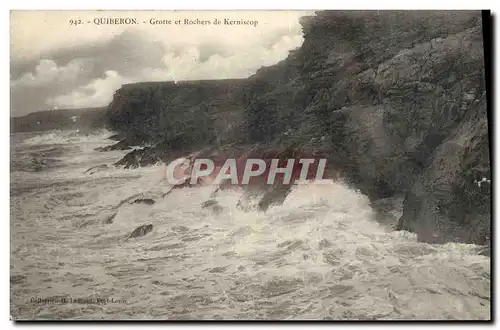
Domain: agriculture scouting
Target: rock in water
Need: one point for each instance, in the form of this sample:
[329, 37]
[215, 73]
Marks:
[95, 169]
[140, 157]
[122, 145]
[248, 201]
[209, 203]
[486, 252]
[262, 198]
[217, 209]
[109, 219]
[141, 231]
[213, 205]
[115, 137]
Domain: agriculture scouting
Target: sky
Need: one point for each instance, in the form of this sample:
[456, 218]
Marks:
[56, 65]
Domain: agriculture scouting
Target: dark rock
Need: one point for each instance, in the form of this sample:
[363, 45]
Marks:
[131, 199]
[185, 184]
[276, 195]
[213, 205]
[261, 197]
[445, 203]
[122, 145]
[218, 269]
[486, 252]
[209, 203]
[84, 223]
[95, 169]
[217, 209]
[140, 157]
[396, 100]
[109, 219]
[116, 137]
[247, 202]
[141, 231]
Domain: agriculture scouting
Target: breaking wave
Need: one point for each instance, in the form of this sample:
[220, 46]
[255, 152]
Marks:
[319, 255]
[67, 137]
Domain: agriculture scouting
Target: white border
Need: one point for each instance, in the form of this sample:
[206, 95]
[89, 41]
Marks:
[254, 5]
[187, 5]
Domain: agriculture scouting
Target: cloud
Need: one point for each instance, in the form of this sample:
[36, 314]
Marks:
[97, 93]
[189, 63]
[30, 90]
[47, 71]
[86, 70]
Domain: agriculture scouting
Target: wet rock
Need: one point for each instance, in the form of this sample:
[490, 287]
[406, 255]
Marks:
[262, 197]
[486, 252]
[122, 145]
[444, 204]
[95, 169]
[218, 269]
[247, 202]
[213, 205]
[148, 201]
[141, 231]
[84, 223]
[185, 184]
[116, 137]
[209, 203]
[109, 219]
[140, 157]
[131, 199]
[290, 244]
[274, 196]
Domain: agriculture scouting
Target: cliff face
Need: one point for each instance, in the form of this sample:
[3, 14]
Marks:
[184, 114]
[395, 99]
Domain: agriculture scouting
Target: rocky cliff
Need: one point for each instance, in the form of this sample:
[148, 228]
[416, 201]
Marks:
[396, 100]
